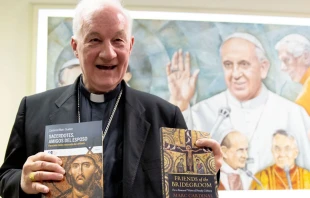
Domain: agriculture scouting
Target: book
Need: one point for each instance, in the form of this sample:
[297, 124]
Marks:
[187, 171]
[79, 146]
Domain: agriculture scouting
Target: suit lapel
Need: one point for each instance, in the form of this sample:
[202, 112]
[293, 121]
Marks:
[136, 129]
[66, 104]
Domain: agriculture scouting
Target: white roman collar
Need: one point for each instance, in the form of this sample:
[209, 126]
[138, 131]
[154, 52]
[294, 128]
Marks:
[97, 98]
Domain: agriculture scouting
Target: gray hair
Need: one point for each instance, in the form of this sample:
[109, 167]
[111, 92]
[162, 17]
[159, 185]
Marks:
[294, 44]
[85, 7]
[286, 134]
[260, 52]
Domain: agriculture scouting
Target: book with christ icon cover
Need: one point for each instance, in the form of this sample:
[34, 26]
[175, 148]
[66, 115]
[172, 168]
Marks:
[187, 170]
[79, 146]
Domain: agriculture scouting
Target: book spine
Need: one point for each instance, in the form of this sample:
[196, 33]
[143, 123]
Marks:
[162, 164]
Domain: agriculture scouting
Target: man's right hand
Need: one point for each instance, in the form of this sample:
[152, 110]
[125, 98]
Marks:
[38, 168]
[181, 83]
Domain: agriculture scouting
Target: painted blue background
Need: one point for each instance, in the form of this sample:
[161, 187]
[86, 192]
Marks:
[157, 40]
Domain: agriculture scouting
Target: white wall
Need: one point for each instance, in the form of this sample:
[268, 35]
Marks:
[18, 29]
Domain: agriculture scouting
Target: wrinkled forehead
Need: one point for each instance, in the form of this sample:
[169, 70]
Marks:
[283, 52]
[237, 138]
[282, 141]
[237, 45]
[105, 16]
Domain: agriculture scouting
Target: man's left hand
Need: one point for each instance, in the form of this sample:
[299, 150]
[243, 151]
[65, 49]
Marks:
[216, 149]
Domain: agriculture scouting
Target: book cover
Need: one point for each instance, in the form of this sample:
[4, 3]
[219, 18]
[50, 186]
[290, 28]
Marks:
[79, 145]
[187, 171]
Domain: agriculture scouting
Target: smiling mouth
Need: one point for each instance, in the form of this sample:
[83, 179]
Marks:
[239, 83]
[102, 67]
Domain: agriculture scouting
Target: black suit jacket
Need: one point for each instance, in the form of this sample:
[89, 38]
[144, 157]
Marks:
[144, 114]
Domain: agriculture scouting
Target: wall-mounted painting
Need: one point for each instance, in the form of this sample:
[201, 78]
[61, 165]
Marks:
[244, 79]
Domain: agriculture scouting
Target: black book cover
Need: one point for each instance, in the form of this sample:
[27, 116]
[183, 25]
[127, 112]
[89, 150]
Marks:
[79, 145]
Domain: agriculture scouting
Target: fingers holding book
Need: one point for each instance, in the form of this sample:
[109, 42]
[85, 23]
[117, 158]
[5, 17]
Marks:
[216, 149]
[38, 168]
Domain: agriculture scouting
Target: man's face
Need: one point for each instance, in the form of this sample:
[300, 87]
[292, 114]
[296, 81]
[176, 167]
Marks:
[69, 75]
[236, 156]
[293, 66]
[284, 150]
[243, 71]
[82, 171]
[103, 48]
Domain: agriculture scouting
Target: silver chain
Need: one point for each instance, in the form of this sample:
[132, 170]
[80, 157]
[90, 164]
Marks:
[104, 133]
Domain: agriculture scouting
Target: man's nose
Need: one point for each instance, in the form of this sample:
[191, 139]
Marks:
[236, 73]
[80, 169]
[282, 153]
[245, 154]
[107, 52]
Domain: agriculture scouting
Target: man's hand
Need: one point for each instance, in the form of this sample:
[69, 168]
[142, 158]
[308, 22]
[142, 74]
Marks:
[216, 149]
[38, 168]
[181, 83]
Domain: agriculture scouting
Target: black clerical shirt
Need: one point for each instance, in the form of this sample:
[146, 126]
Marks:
[113, 142]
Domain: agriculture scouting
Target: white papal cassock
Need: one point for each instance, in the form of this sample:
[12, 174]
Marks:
[258, 119]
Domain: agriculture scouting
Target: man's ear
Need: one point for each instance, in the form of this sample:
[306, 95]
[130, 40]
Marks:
[296, 152]
[224, 151]
[74, 46]
[265, 65]
[306, 58]
[132, 40]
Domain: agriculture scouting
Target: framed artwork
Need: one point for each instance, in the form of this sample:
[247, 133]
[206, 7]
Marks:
[160, 37]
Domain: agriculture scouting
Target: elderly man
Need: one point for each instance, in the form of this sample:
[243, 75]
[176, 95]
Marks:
[102, 42]
[255, 111]
[235, 153]
[285, 173]
[294, 53]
